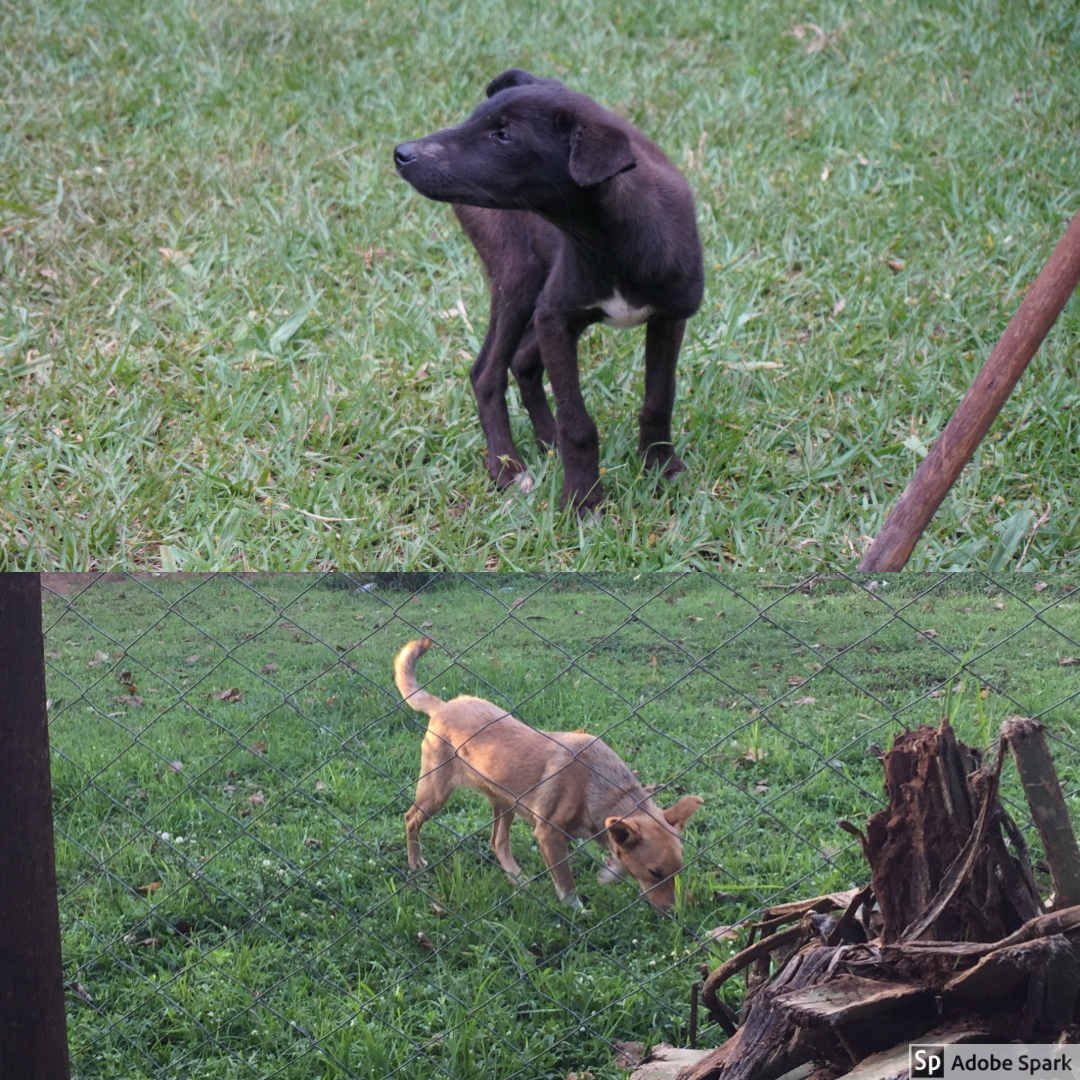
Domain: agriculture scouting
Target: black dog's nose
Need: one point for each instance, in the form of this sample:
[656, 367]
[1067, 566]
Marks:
[403, 154]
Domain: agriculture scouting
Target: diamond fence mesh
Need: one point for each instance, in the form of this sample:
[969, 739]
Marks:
[232, 763]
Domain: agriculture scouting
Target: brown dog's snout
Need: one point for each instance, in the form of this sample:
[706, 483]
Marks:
[662, 894]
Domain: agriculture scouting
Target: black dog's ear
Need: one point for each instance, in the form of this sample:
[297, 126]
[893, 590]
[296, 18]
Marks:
[598, 151]
[513, 77]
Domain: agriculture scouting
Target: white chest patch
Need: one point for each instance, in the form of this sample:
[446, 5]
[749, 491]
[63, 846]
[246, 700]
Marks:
[617, 312]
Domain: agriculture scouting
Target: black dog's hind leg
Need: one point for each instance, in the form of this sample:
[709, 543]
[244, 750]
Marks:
[528, 369]
[662, 341]
[489, 379]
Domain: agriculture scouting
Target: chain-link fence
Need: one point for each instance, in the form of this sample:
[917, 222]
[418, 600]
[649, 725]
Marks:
[232, 763]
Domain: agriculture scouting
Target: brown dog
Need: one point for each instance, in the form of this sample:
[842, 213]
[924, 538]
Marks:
[564, 784]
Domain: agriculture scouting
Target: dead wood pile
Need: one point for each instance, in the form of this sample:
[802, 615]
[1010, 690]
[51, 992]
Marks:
[950, 941]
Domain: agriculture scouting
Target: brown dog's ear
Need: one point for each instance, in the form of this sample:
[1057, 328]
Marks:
[676, 816]
[624, 833]
[598, 151]
[513, 77]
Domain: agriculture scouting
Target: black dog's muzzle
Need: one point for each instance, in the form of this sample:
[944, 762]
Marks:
[404, 155]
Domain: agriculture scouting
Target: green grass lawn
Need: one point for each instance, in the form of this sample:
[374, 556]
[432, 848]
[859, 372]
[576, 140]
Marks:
[231, 764]
[230, 336]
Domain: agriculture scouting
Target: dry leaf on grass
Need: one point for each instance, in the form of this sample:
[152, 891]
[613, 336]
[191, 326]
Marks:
[726, 933]
[627, 1055]
[821, 40]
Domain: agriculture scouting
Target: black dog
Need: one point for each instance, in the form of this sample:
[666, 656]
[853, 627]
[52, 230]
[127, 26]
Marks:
[578, 218]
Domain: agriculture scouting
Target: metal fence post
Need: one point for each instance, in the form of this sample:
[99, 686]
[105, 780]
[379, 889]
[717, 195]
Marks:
[33, 1034]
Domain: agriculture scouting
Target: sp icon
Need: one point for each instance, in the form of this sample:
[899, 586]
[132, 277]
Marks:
[926, 1062]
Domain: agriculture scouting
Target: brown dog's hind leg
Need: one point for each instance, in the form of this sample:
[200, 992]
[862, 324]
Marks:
[432, 790]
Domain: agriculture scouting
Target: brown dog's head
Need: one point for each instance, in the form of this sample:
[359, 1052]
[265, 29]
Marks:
[649, 848]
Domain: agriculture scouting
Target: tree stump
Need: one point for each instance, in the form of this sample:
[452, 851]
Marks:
[950, 942]
[938, 792]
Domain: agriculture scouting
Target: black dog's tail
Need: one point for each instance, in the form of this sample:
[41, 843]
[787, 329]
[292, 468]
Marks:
[405, 677]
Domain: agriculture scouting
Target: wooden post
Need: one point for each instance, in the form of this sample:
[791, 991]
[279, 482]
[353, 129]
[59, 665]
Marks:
[33, 1033]
[1048, 809]
[953, 448]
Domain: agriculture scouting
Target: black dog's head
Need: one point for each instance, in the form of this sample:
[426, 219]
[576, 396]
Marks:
[532, 144]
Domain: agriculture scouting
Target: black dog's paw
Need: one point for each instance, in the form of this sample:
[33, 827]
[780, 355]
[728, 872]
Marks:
[506, 471]
[664, 460]
[585, 498]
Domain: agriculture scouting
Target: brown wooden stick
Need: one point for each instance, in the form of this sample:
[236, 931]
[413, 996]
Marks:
[988, 393]
[762, 947]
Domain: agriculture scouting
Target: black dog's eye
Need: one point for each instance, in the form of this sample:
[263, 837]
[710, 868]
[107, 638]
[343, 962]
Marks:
[500, 134]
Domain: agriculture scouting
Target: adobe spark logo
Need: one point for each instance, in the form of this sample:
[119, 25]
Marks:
[926, 1062]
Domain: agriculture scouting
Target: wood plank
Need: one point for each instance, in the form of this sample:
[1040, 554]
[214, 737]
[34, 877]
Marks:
[845, 998]
[666, 1062]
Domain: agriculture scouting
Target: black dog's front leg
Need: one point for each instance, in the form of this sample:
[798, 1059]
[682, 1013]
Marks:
[662, 341]
[579, 441]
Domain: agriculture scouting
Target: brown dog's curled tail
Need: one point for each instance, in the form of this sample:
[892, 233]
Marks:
[405, 677]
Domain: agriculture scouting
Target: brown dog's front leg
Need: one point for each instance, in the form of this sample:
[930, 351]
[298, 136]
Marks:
[502, 815]
[414, 819]
[556, 852]
[663, 339]
[579, 441]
